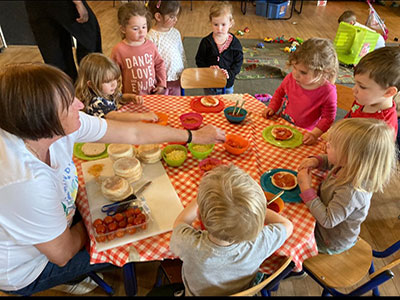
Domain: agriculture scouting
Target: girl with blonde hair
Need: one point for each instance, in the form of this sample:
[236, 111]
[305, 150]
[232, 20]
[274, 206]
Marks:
[361, 158]
[307, 96]
[240, 233]
[99, 87]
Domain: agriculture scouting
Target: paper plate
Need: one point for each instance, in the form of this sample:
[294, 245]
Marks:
[288, 196]
[79, 154]
[196, 105]
[294, 142]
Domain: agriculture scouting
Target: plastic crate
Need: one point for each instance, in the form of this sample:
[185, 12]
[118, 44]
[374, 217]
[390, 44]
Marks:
[261, 8]
[276, 10]
[352, 43]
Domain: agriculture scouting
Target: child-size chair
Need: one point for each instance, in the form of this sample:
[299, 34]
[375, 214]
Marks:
[172, 270]
[200, 78]
[348, 268]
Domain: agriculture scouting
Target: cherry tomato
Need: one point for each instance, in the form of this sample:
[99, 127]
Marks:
[112, 226]
[107, 220]
[130, 212]
[119, 217]
[122, 224]
[130, 220]
[137, 211]
[101, 238]
[131, 230]
[97, 222]
[111, 236]
[120, 233]
[100, 229]
[144, 226]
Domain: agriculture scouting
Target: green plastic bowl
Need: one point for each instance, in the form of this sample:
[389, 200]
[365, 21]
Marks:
[170, 148]
[200, 155]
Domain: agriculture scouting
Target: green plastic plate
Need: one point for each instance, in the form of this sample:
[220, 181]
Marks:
[294, 142]
[79, 154]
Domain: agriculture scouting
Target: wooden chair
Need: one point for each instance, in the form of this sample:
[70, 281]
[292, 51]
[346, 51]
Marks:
[348, 268]
[270, 282]
[198, 78]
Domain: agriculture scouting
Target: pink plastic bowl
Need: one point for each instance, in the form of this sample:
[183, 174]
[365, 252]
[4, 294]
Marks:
[191, 120]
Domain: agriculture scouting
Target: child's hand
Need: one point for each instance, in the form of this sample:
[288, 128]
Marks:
[309, 164]
[304, 179]
[309, 139]
[159, 90]
[135, 99]
[150, 116]
[223, 70]
[268, 112]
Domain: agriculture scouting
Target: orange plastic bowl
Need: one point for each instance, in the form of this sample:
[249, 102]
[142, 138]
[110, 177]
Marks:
[236, 144]
[277, 205]
[162, 119]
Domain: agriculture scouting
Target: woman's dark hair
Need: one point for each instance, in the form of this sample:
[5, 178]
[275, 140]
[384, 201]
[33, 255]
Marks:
[31, 97]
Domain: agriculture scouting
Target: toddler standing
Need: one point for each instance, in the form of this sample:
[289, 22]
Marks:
[143, 69]
[361, 157]
[221, 49]
[224, 258]
[168, 41]
[377, 82]
[307, 96]
[99, 87]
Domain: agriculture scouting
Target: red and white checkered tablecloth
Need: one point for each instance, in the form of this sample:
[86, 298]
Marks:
[260, 157]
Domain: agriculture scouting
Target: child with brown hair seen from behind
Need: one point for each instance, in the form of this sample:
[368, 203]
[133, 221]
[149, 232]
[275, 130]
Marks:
[142, 67]
[360, 160]
[168, 41]
[349, 16]
[307, 96]
[240, 233]
[221, 49]
[377, 82]
[99, 87]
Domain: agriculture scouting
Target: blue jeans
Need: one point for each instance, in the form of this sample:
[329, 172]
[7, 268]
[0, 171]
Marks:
[218, 91]
[53, 275]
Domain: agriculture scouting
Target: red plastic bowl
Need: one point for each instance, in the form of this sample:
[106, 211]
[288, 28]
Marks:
[191, 120]
[236, 144]
[208, 164]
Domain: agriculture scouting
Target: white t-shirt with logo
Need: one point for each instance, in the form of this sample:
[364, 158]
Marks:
[37, 201]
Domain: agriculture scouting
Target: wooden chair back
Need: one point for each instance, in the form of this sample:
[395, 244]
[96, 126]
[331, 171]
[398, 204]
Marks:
[197, 78]
[257, 288]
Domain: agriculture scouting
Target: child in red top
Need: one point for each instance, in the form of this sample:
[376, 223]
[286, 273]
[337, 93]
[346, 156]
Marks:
[377, 82]
[307, 96]
[143, 69]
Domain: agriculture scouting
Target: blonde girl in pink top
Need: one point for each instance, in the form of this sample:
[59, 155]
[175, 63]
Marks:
[143, 69]
[307, 96]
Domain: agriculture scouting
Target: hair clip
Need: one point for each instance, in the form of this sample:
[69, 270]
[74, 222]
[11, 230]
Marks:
[159, 4]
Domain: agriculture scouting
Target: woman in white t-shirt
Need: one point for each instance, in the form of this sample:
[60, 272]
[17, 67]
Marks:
[40, 120]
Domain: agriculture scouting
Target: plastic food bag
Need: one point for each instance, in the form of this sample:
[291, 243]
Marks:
[375, 22]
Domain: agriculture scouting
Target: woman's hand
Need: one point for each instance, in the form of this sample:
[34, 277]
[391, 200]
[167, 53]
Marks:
[209, 134]
[150, 116]
[82, 11]
[268, 112]
[304, 179]
[309, 139]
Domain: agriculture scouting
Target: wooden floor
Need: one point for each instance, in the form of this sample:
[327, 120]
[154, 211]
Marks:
[382, 226]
